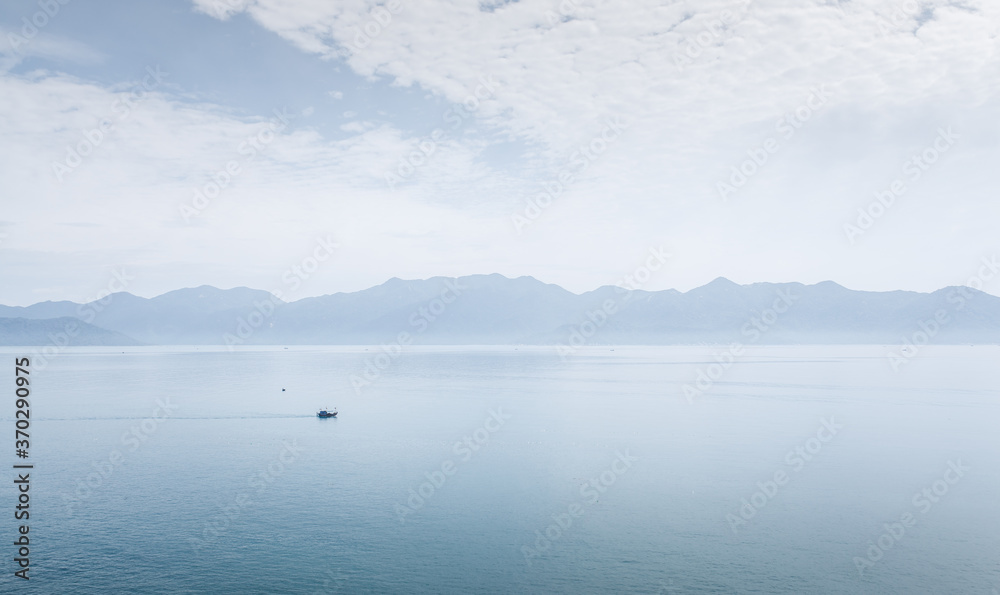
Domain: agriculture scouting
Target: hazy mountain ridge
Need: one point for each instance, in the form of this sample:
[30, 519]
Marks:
[493, 309]
[57, 332]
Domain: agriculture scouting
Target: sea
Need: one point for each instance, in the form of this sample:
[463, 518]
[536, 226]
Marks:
[505, 469]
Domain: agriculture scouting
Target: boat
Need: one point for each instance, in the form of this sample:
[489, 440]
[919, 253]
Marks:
[326, 413]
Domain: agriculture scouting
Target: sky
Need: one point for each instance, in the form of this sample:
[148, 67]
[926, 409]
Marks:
[312, 147]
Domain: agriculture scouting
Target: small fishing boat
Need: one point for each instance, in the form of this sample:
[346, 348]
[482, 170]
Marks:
[326, 413]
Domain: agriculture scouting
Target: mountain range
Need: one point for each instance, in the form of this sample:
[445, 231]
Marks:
[493, 309]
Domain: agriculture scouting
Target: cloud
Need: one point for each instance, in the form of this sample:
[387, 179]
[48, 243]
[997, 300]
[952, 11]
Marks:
[124, 196]
[15, 48]
[698, 68]
[699, 86]
[222, 9]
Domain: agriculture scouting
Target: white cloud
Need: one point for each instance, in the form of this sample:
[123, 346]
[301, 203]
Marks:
[15, 47]
[698, 88]
[560, 73]
[121, 204]
[700, 83]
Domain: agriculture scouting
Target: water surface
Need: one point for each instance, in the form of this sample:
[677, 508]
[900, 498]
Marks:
[240, 488]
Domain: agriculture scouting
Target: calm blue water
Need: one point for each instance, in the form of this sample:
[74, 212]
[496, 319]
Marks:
[314, 506]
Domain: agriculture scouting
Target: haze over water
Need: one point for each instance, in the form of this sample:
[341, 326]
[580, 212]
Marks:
[314, 505]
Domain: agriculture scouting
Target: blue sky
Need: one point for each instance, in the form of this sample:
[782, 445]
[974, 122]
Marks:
[561, 140]
[234, 63]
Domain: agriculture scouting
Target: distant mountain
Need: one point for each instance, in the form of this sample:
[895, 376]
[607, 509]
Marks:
[493, 309]
[479, 309]
[57, 332]
[196, 315]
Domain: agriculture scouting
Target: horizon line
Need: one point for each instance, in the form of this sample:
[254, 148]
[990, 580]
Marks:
[716, 280]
